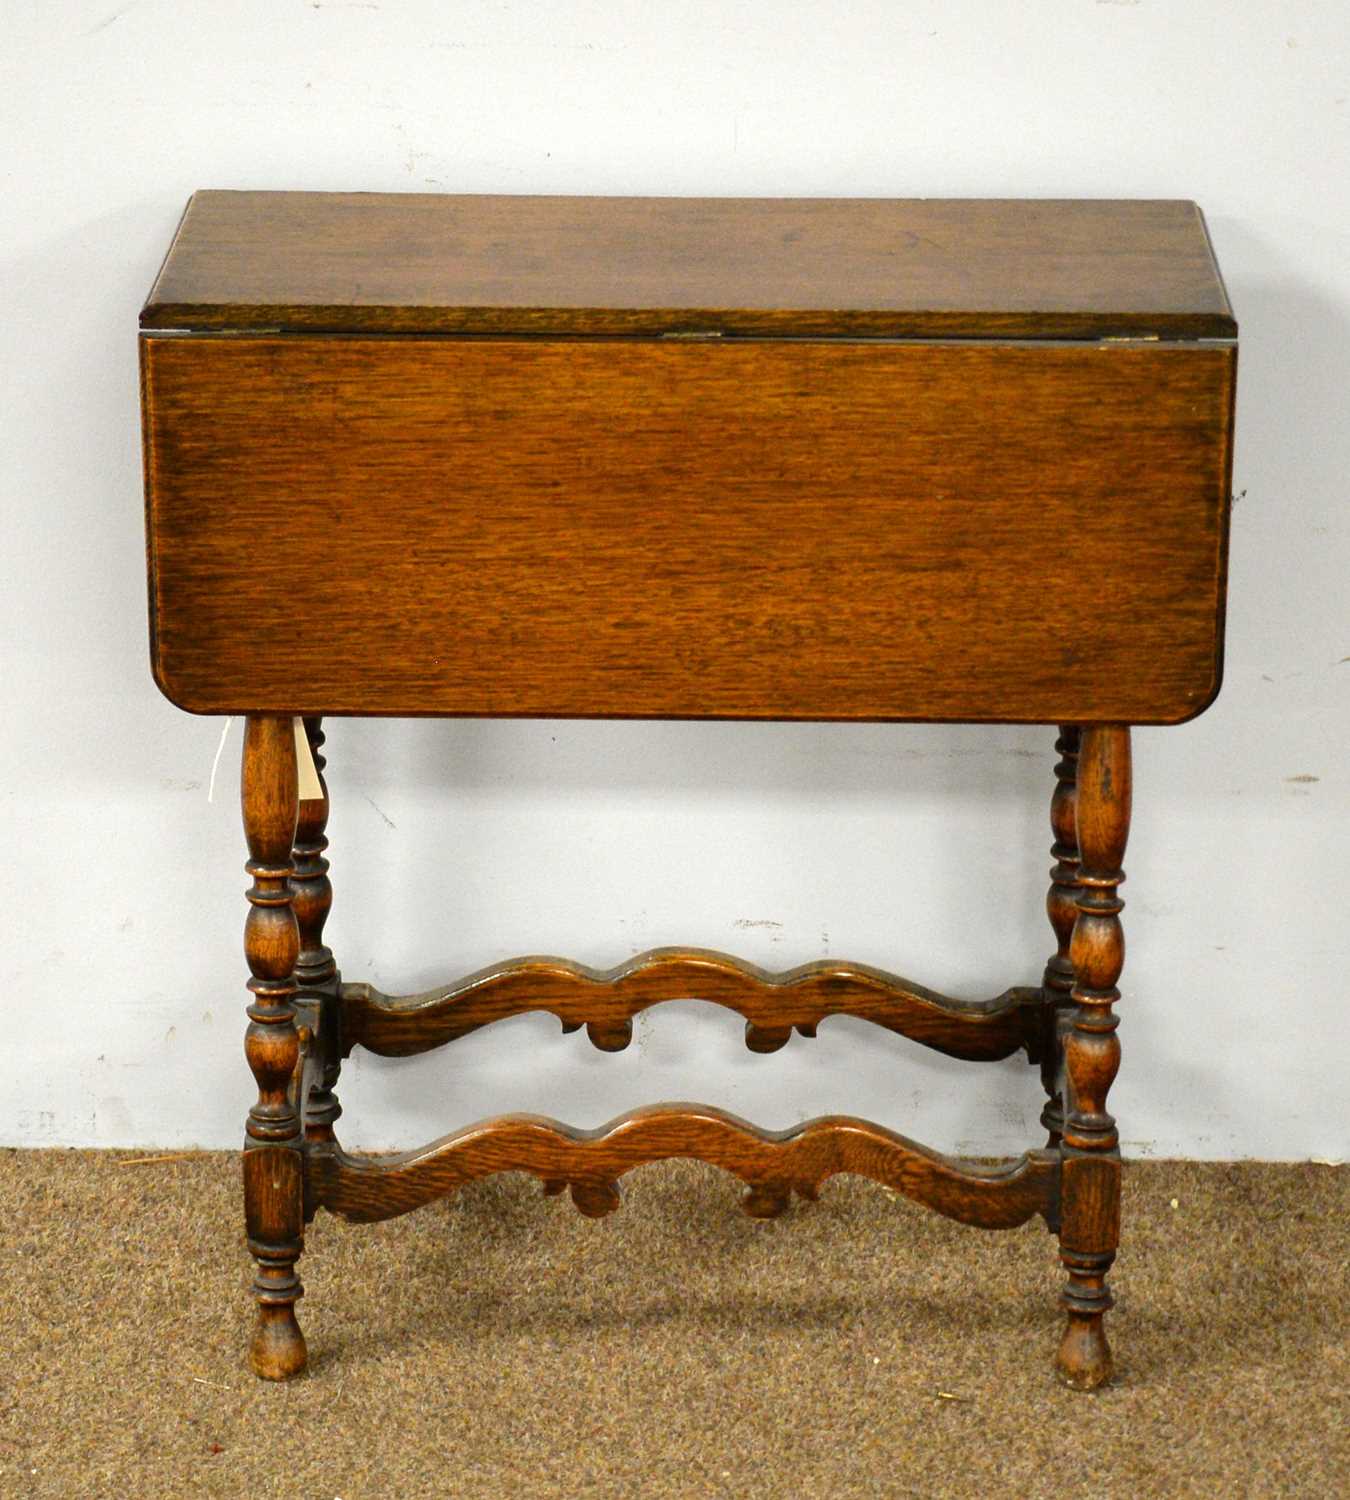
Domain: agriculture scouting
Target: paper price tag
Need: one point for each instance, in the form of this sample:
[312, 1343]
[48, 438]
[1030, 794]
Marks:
[311, 789]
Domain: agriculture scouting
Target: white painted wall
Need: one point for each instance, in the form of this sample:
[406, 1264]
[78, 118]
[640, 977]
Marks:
[923, 849]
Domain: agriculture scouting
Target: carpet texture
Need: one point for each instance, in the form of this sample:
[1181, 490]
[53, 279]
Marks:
[498, 1344]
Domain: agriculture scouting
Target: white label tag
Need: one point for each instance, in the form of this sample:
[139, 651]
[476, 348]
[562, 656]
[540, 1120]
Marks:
[307, 773]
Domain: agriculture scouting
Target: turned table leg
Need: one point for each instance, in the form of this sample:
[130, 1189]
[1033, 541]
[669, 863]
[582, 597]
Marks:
[1061, 905]
[273, 1162]
[1090, 1207]
[315, 971]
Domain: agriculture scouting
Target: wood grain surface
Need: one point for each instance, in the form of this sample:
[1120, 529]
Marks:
[273, 1161]
[606, 1000]
[882, 267]
[736, 528]
[1090, 1231]
[774, 1164]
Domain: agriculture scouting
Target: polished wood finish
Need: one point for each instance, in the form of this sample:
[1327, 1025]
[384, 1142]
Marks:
[1061, 905]
[1090, 1230]
[606, 1000]
[773, 1164]
[774, 529]
[316, 970]
[704, 458]
[889, 268]
[273, 1159]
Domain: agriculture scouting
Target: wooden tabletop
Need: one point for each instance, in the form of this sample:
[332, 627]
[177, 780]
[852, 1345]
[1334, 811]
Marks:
[888, 268]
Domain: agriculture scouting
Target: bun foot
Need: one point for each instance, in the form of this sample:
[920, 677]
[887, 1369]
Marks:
[278, 1350]
[1084, 1361]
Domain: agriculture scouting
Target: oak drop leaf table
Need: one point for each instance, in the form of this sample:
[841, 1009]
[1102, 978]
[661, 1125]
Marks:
[762, 459]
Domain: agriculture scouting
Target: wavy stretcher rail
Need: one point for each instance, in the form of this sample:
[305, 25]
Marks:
[773, 1164]
[606, 1000]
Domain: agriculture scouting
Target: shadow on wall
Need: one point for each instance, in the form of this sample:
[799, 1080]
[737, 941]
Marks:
[1293, 444]
[775, 761]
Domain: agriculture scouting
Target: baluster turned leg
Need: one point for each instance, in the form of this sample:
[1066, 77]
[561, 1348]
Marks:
[1090, 1181]
[273, 1161]
[315, 970]
[1061, 905]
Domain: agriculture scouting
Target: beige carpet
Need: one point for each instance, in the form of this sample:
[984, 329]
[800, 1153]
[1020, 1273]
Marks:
[501, 1345]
